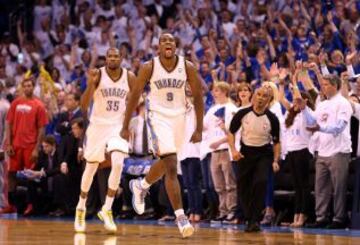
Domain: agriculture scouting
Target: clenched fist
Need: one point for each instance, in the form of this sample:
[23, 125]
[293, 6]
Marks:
[93, 76]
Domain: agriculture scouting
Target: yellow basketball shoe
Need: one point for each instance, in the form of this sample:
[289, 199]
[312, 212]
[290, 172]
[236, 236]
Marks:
[107, 217]
[79, 223]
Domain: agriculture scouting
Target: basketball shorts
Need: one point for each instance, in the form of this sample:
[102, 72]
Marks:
[101, 139]
[21, 159]
[167, 134]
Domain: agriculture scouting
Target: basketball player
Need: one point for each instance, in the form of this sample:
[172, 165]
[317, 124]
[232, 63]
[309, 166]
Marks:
[168, 75]
[107, 90]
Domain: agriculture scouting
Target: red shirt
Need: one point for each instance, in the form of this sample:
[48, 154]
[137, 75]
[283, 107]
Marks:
[26, 117]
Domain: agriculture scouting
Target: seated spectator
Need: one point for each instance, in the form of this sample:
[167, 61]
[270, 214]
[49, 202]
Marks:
[42, 177]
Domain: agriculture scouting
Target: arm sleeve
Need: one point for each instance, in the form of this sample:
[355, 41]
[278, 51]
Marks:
[343, 118]
[235, 123]
[334, 129]
[275, 127]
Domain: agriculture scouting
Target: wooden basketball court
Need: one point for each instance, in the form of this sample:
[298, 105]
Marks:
[34, 231]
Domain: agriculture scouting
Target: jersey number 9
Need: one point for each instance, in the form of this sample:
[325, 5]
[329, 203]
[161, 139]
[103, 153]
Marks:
[112, 105]
[170, 96]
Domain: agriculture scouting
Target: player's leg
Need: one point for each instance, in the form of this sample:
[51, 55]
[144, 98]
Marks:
[161, 139]
[174, 193]
[94, 153]
[118, 148]
[105, 214]
[86, 181]
[15, 164]
[139, 187]
[172, 183]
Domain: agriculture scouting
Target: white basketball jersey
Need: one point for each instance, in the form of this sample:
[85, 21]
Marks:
[167, 88]
[109, 100]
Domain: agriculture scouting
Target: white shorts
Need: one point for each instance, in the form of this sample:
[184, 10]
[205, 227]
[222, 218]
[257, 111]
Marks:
[167, 134]
[101, 139]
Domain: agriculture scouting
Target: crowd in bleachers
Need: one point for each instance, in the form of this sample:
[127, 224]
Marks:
[305, 52]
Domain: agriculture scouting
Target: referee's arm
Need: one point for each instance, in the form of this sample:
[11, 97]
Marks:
[235, 125]
[275, 133]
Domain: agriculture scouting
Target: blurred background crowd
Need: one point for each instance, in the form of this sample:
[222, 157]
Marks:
[237, 46]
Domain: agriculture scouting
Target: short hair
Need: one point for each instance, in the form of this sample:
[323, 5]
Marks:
[223, 86]
[49, 139]
[78, 121]
[29, 79]
[205, 62]
[113, 48]
[334, 80]
[166, 33]
[267, 89]
[77, 96]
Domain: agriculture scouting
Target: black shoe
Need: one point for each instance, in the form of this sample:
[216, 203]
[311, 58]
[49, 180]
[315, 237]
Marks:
[219, 219]
[336, 225]
[318, 225]
[252, 227]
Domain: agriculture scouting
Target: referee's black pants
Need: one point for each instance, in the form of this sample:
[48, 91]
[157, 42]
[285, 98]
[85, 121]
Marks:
[251, 184]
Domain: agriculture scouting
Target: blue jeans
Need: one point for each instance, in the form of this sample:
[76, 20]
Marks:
[191, 172]
[208, 183]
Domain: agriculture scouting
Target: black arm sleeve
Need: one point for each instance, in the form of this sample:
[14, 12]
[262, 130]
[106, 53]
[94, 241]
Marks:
[275, 126]
[236, 120]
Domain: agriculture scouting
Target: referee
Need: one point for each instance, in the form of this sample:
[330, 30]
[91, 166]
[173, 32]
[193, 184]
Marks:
[260, 147]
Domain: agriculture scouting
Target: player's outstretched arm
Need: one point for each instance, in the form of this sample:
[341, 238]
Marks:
[196, 90]
[136, 89]
[93, 79]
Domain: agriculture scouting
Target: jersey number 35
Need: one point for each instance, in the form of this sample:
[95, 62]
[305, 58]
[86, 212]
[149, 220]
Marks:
[112, 105]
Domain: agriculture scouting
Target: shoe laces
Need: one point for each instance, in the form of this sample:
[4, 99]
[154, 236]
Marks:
[109, 214]
[182, 220]
[143, 194]
[81, 217]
